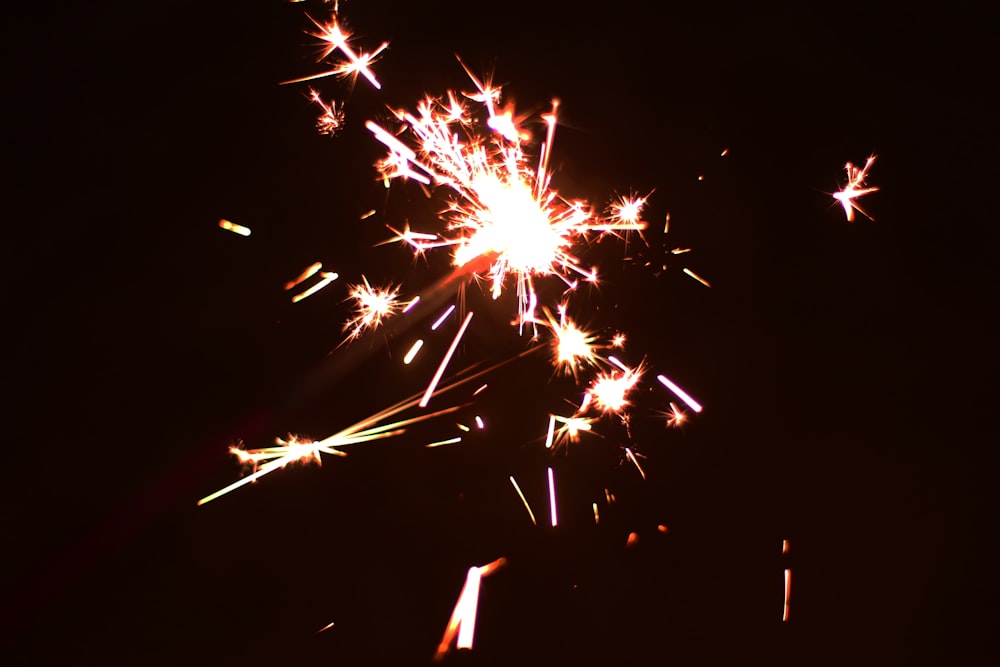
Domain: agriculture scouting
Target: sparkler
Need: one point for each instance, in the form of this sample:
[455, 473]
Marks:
[855, 189]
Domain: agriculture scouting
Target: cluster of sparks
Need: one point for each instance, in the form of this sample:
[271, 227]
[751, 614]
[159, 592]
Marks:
[505, 226]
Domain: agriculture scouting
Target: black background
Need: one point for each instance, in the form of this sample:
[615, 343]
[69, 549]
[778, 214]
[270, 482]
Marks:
[846, 368]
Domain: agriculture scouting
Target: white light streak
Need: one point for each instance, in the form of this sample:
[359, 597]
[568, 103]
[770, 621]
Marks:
[680, 393]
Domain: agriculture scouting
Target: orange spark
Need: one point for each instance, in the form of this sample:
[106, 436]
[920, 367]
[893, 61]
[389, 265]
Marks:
[463, 617]
[234, 228]
[371, 306]
[855, 189]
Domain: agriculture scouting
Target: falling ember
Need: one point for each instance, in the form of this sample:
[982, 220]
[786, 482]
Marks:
[463, 618]
[412, 352]
[855, 189]
[367, 214]
[663, 529]
[325, 628]
[597, 516]
[326, 279]
[680, 393]
[694, 275]
[635, 461]
[523, 500]
[306, 274]
[784, 546]
[633, 539]
[234, 228]
[724, 153]
[552, 498]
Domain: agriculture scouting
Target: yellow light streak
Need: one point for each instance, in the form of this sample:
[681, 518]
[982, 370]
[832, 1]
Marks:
[412, 352]
[326, 279]
[444, 362]
[694, 275]
[523, 500]
[234, 228]
[463, 617]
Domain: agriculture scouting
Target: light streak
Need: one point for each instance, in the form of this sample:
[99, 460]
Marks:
[331, 119]
[414, 301]
[788, 593]
[523, 500]
[463, 427]
[855, 189]
[444, 316]
[610, 391]
[234, 228]
[444, 362]
[327, 278]
[328, 625]
[479, 423]
[552, 499]
[597, 516]
[306, 274]
[633, 539]
[631, 457]
[784, 546]
[694, 275]
[551, 432]
[463, 617]
[412, 352]
[337, 40]
[680, 393]
[676, 416]
[449, 441]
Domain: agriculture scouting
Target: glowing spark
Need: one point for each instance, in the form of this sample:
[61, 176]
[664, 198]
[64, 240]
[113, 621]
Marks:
[679, 251]
[610, 391]
[444, 362]
[676, 416]
[663, 529]
[444, 316]
[633, 539]
[502, 210]
[552, 498]
[449, 441]
[306, 274]
[480, 390]
[666, 224]
[855, 189]
[371, 307]
[367, 214]
[355, 63]
[523, 500]
[618, 341]
[788, 592]
[234, 228]
[784, 546]
[327, 278]
[724, 153]
[412, 352]
[463, 427]
[551, 432]
[610, 497]
[635, 462]
[479, 423]
[696, 277]
[411, 304]
[597, 516]
[574, 347]
[627, 211]
[570, 429]
[463, 617]
[331, 119]
[328, 625]
[680, 393]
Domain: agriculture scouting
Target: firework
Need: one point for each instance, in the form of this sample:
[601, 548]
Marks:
[855, 189]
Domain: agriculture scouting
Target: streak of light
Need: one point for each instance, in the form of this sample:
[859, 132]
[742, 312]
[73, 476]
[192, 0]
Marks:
[784, 546]
[328, 625]
[234, 228]
[463, 427]
[551, 432]
[368, 214]
[327, 278]
[597, 516]
[463, 617]
[694, 275]
[680, 393]
[633, 539]
[679, 251]
[676, 416]
[444, 362]
[306, 274]
[663, 529]
[614, 360]
[635, 462]
[666, 224]
[610, 497]
[480, 390]
[444, 316]
[523, 500]
[356, 63]
[552, 498]
[411, 304]
[724, 153]
[449, 441]
[412, 352]
[788, 592]
[855, 189]
[479, 423]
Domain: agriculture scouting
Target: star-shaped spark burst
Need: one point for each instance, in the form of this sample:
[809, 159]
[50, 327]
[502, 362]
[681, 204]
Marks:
[354, 63]
[331, 118]
[371, 306]
[855, 189]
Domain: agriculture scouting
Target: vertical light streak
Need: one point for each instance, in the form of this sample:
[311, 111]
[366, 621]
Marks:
[463, 617]
[444, 316]
[523, 500]
[680, 393]
[412, 352]
[444, 362]
[788, 592]
[552, 498]
[552, 429]
[784, 546]
[597, 516]
[479, 423]
[635, 462]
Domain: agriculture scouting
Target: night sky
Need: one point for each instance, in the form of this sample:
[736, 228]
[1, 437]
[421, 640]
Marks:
[847, 369]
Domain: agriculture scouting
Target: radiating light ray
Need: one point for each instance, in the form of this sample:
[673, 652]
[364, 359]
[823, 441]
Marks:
[331, 118]
[609, 392]
[635, 461]
[523, 500]
[574, 348]
[444, 362]
[552, 499]
[444, 316]
[679, 393]
[570, 429]
[234, 228]
[412, 352]
[354, 63]
[675, 417]
[326, 278]
[463, 617]
[695, 276]
[855, 189]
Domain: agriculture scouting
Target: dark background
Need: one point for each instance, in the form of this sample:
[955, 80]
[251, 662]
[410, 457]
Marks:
[846, 368]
